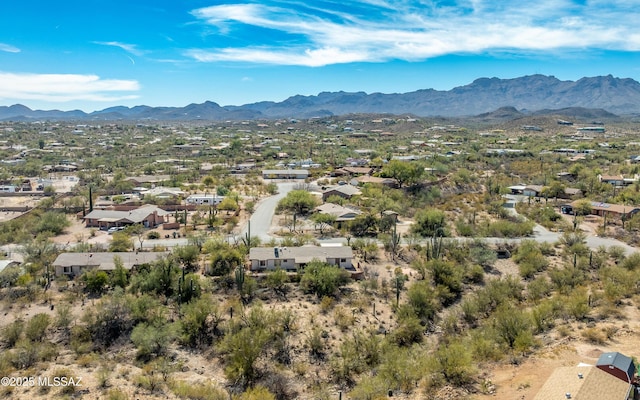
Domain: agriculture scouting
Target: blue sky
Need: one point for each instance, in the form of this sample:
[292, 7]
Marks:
[93, 54]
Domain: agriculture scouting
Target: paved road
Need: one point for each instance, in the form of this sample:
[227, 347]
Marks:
[263, 214]
[262, 218]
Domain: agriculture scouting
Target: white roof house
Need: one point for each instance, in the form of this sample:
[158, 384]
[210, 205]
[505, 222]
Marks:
[76, 263]
[341, 213]
[293, 258]
[149, 216]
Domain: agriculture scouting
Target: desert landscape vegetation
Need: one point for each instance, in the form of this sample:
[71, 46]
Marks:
[486, 252]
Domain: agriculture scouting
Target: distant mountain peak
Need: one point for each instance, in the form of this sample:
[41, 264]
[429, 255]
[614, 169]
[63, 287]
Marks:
[482, 96]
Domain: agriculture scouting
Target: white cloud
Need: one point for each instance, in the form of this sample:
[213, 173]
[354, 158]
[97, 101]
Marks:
[129, 48]
[379, 30]
[9, 48]
[64, 87]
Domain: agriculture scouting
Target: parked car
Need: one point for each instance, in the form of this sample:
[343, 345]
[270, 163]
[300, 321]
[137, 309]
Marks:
[115, 229]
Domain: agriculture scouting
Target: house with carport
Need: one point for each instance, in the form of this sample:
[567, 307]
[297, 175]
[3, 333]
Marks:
[149, 216]
[296, 258]
[74, 264]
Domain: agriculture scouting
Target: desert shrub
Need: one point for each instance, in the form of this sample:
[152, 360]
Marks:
[146, 308]
[64, 316]
[453, 361]
[447, 278]
[529, 252]
[543, 316]
[197, 391]
[159, 278]
[256, 393]
[12, 332]
[617, 253]
[95, 281]
[512, 325]
[9, 275]
[474, 274]
[423, 301]
[323, 279]
[80, 339]
[370, 387]
[482, 254]
[538, 288]
[594, 335]
[37, 327]
[343, 318]
[153, 235]
[223, 261]
[243, 348]
[401, 368]
[497, 292]
[509, 229]
[199, 322]
[117, 394]
[567, 278]
[408, 331]
[151, 340]
[277, 281]
[470, 310]
[484, 347]
[316, 342]
[109, 319]
[618, 283]
[631, 262]
[27, 353]
[577, 305]
[429, 223]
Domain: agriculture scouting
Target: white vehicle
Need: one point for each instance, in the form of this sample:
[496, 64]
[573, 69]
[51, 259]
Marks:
[115, 229]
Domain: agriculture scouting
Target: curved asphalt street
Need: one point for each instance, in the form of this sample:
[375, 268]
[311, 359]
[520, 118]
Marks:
[261, 224]
[263, 215]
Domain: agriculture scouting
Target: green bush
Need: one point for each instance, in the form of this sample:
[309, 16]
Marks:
[12, 332]
[37, 327]
[509, 229]
[95, 281]
[323, 279]
[197, 391]
[151, 340]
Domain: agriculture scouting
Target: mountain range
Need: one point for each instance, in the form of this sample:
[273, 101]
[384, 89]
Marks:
[527, 94]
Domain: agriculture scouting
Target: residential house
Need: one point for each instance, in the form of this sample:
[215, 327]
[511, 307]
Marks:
[611, 378]
[344, 191]
[148, 180]
[615, 180]
[566, 176]
[599, 208]
[162, 192]
[285, 174]
[206, 199]
[294, 258]
[73, 264]
[532, 190]
[361, 180]
[60, 168]
[149, 215]
[538, 191]
[341, 213]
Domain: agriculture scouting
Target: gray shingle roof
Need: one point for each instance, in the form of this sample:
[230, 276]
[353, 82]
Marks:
[135, 216]
[310, 252]
[104, 261]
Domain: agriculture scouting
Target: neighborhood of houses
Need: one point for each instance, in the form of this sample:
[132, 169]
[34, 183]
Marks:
[612, 377]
